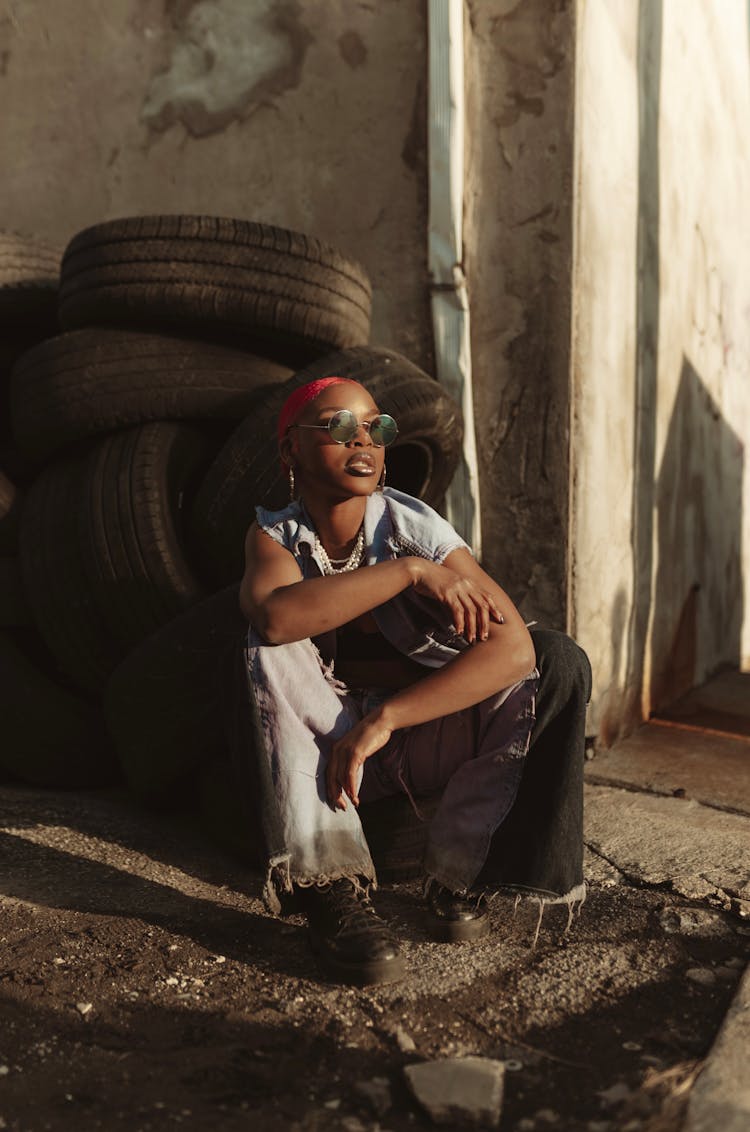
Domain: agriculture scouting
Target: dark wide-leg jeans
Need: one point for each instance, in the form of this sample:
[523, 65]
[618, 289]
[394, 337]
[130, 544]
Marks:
[535, 842]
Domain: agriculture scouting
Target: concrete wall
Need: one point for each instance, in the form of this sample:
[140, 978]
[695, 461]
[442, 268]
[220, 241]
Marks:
[308, 115]
[660, 538]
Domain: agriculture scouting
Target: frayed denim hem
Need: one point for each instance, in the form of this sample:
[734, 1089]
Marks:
[280, 881]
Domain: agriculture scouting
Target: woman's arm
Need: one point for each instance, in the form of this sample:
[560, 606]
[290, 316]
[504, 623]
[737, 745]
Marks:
[284, 607]
[499, 661]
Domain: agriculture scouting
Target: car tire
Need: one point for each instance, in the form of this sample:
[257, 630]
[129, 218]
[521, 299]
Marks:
[94, 381]
[214, 275]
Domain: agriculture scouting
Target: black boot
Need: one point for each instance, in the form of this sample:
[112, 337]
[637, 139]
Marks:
[453, 917]
[348, 936]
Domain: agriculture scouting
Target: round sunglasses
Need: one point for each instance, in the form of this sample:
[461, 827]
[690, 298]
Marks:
[343, 427]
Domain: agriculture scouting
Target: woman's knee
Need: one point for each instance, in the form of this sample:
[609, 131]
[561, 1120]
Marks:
[562, 662]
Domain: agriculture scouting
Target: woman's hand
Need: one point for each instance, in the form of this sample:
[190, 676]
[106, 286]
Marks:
[472, 606]
[348, 756]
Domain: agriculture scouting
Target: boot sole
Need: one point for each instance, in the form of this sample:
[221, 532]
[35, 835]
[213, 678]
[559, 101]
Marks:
[360, 974]
[459, 931]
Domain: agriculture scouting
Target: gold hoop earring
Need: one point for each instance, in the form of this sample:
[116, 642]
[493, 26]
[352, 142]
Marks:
[381, 481]
[291, 486]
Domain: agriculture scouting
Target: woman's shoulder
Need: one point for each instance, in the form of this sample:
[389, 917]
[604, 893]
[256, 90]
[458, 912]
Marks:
[417, 525]
[285, 525]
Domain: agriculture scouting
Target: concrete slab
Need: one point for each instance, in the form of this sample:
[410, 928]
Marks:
[698, 851]
[720, 1098]
[664, 756]
[722, 704]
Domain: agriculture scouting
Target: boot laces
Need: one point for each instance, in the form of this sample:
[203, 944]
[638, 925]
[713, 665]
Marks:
[353, 908]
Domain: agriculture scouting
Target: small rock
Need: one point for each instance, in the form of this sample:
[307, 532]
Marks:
[513, 1065]
[526, 1125]
[404, 1041]
[377, 1093]
[614, 1095]
[599, 1125]
[4, 1070]
[455, 1089]
[632, 1047]
[727, 974]
[693, 922]
[84, 1008]
[701, 975]
[735, 963]
[547, 1115]
[352, 1124]
[333, 1104]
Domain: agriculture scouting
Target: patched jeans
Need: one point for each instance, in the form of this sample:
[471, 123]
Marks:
[475, 756]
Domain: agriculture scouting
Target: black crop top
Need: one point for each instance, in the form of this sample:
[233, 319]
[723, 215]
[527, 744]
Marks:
[353, 643]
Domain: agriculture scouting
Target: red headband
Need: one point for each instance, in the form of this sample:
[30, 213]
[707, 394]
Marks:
[302, 396]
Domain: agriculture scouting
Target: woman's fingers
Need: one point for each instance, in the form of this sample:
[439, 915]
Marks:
[334, 789]
[350, 785]
[457, 610]
[470, 621]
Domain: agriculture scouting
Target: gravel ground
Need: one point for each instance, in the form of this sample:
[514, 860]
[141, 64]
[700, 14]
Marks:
[143, 986]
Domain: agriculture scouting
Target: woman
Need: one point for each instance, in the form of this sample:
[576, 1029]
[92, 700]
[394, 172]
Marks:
[382, 658]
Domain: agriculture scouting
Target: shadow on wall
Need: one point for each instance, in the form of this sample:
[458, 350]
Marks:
[698, 596]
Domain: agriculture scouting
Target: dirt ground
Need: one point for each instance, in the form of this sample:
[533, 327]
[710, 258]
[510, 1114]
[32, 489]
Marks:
[143, 986]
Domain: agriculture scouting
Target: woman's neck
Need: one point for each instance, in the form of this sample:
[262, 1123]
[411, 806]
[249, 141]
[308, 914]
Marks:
[337, 524]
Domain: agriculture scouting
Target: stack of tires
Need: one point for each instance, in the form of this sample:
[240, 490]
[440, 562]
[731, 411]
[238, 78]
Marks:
[144, 435]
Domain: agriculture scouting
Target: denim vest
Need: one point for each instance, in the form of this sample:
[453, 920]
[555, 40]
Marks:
[396, 525]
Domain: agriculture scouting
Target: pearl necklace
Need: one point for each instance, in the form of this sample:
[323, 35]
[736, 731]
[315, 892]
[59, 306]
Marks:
[341, 565]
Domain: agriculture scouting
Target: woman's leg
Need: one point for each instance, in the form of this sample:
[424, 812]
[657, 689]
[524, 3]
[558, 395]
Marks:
[300, 710]
[540, 844]
[476, 756]
[319, 853]
[536, 803]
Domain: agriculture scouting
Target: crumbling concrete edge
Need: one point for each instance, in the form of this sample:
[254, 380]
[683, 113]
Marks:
[720, 1097]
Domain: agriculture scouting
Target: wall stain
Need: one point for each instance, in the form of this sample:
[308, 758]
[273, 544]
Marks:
[531, 40]
[227, 60]
[352, 49]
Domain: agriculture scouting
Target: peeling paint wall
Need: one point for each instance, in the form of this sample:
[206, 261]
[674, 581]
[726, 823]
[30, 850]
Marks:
[518, 247]
[304, 113]
[661, 396]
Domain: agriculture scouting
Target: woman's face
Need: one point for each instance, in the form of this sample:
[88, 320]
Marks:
[322, 465]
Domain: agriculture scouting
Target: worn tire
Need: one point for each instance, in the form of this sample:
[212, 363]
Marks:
[94, 381]
[10, 507]
[29, 278]
[50, 737]
[14, 608]
[133, 546]
[222, 815]
[247, 471]
[66, 616]
[165, 704]
[215, 275]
